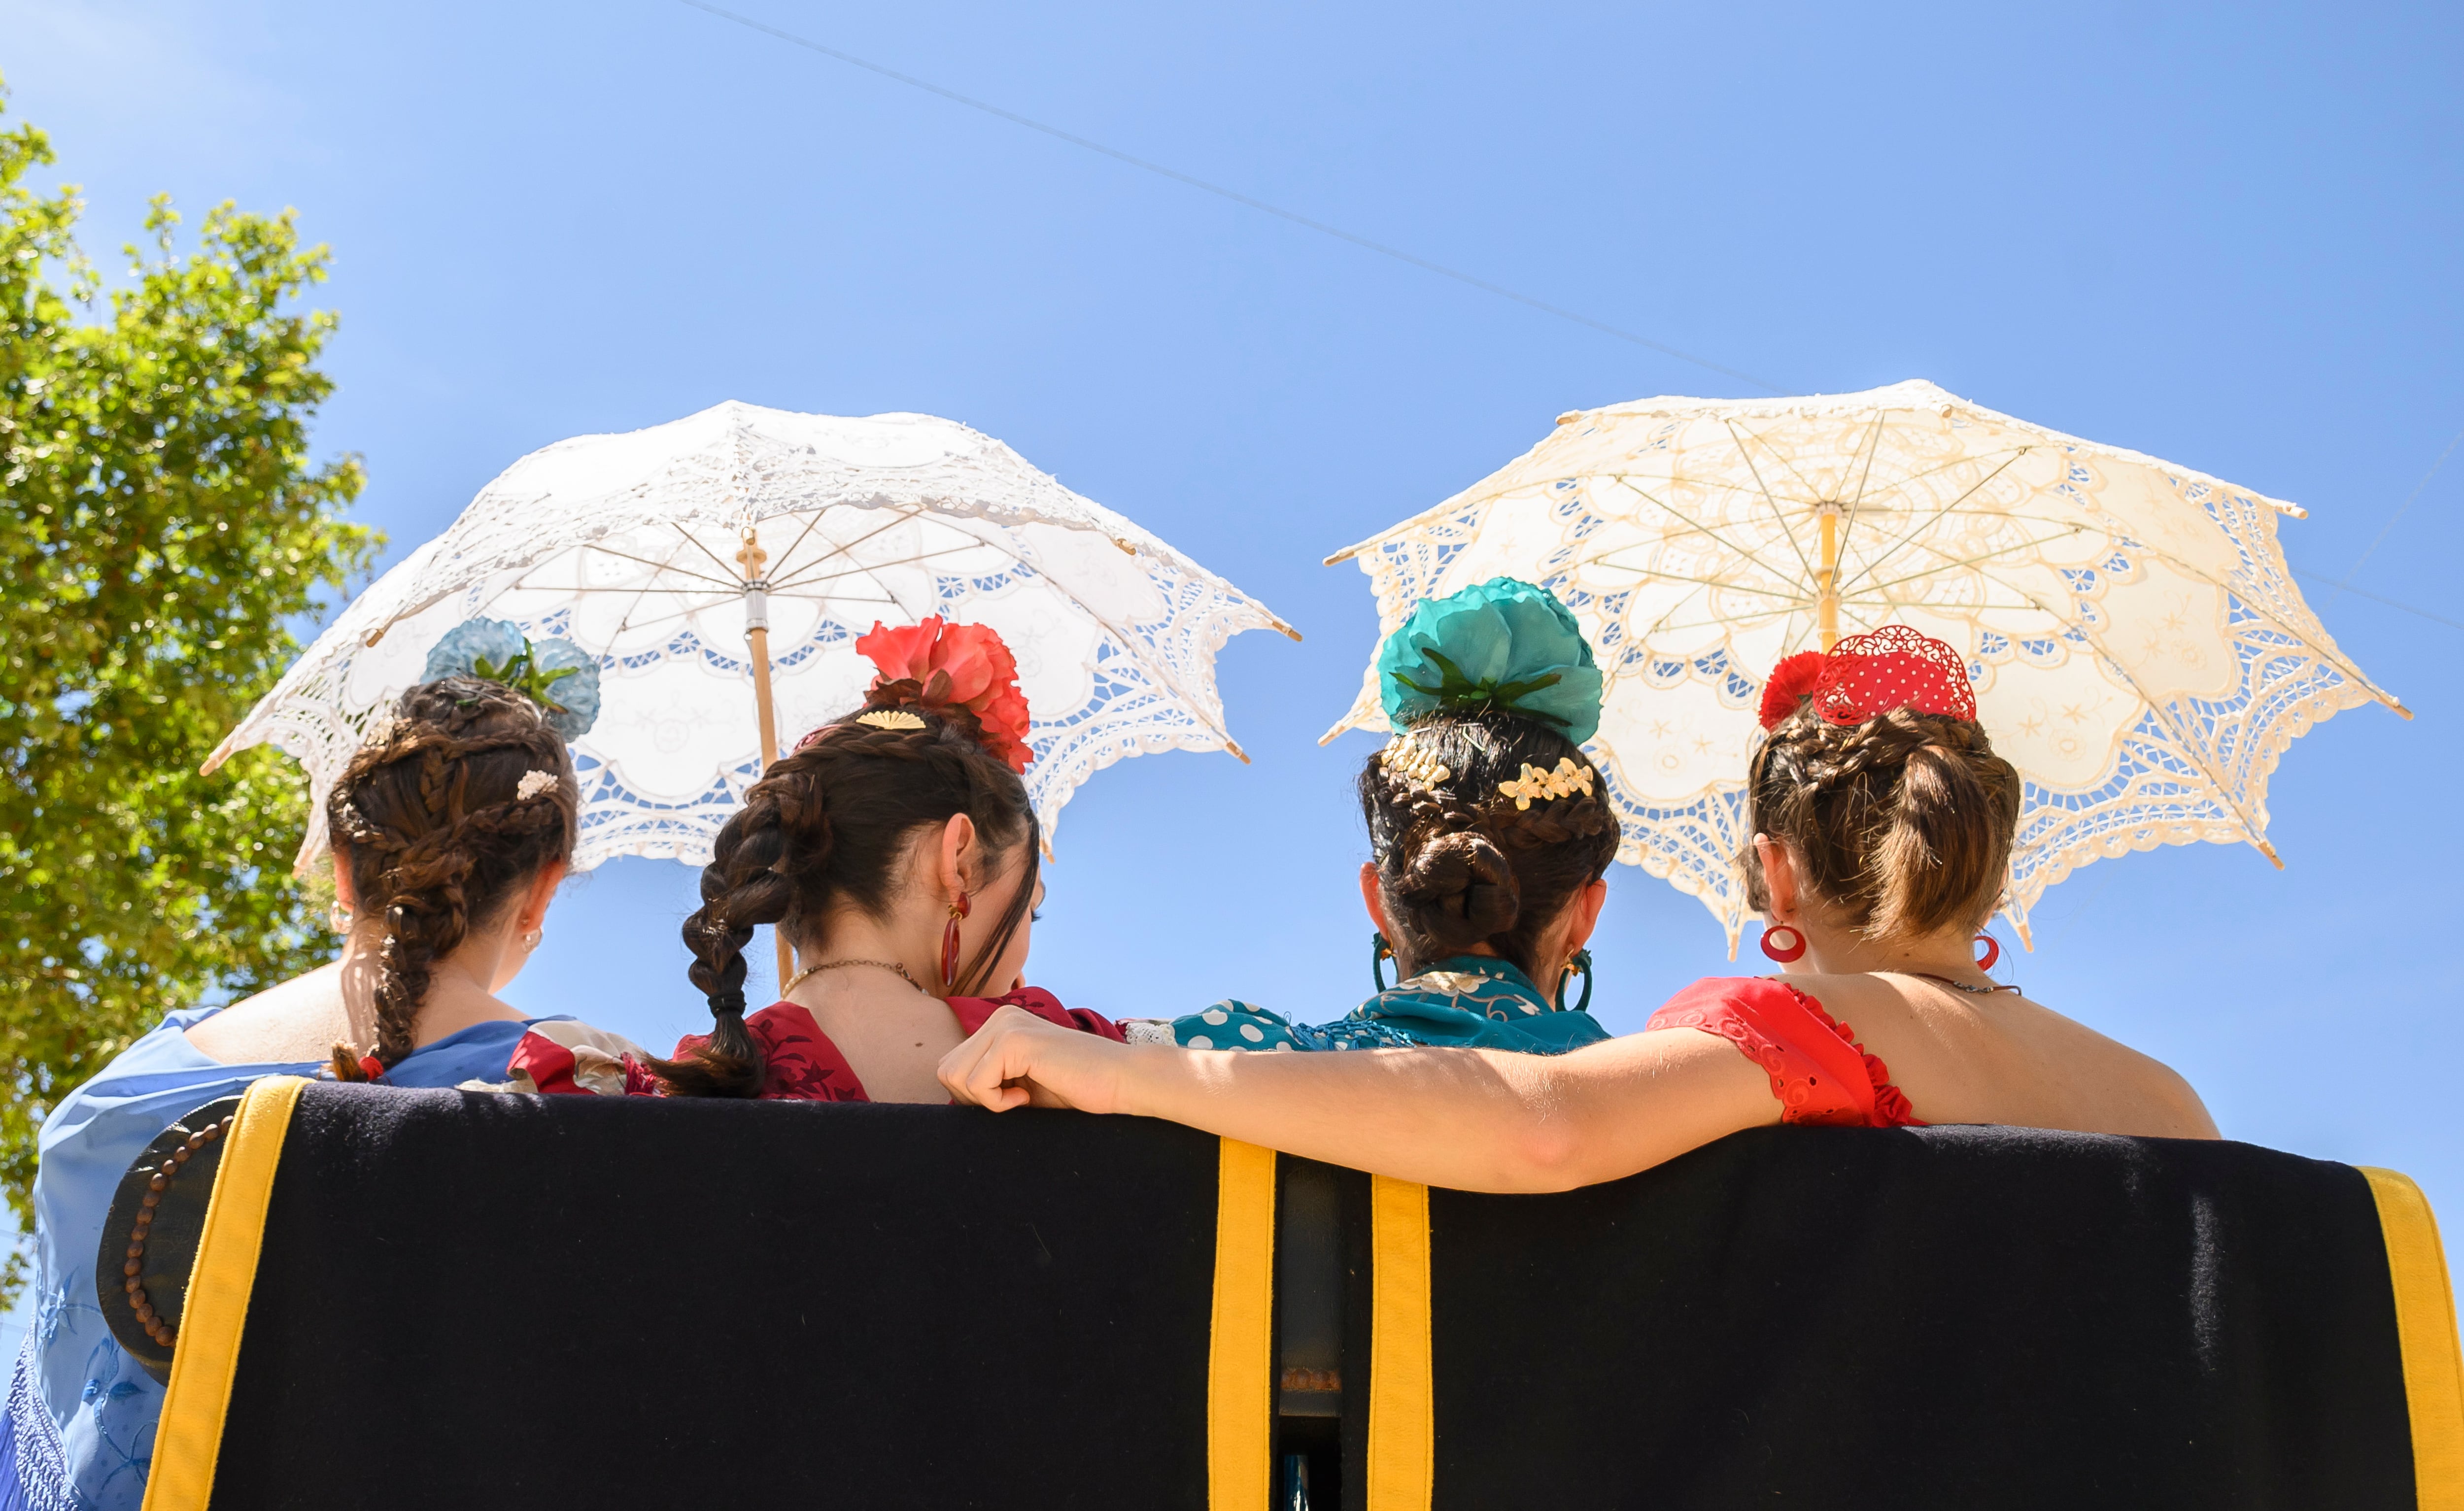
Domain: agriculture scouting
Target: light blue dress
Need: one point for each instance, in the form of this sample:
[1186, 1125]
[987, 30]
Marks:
[81, 1413]
[1467, 1001]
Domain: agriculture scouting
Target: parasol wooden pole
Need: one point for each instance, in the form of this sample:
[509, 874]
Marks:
[756, 635]
[1826, 578]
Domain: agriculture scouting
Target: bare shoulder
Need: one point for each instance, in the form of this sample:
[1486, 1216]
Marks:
[2149, 1098]
[2008, 1058]
[2090, 1082]
[297, 1021]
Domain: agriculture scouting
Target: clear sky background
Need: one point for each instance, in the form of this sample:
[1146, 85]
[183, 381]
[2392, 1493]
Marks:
[2224, 235]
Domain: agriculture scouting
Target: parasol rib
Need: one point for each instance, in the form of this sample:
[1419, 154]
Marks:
[1911, 537]
[730, 577]
[1848, 526]
[1697, 527]
[2181, 738]
[1778, 515]
[838, 549]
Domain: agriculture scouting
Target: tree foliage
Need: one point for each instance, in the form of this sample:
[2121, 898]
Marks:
[161, 525]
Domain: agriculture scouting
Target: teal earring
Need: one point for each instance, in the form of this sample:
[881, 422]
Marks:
[1380, 952]
[1580, 960]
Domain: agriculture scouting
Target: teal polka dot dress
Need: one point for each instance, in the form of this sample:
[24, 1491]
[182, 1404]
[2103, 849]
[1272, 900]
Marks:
[1464, 1002]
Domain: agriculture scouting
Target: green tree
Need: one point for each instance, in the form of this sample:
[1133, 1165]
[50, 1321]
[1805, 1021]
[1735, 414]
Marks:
[162, 526]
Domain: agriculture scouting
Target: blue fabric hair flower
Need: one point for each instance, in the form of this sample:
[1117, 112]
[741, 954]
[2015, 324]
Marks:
[1502, 643]
[558, 675]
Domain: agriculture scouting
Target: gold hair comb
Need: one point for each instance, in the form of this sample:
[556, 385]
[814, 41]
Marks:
[1423, 766]
[891, 719]
[1565, 781]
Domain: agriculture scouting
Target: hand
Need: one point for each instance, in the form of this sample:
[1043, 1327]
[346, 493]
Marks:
[1018, 1059]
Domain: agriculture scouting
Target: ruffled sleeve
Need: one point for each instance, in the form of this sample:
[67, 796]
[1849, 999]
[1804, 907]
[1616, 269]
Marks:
[563, 1057]
[1818, 1072]
[1236, 1025]
[973, 1011]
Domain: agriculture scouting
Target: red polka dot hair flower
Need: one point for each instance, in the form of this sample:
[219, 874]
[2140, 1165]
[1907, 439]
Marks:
[1893, 667]
[1864, 676]
[1790, 683]
[965, 665]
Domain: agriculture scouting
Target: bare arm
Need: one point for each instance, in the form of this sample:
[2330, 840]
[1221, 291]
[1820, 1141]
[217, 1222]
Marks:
[1470, 1119]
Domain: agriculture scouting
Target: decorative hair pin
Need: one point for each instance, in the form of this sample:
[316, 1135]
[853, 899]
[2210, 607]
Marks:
[1871, 674]
[891, 719]
[1546, 786]
[1421, 766]
[534, 784]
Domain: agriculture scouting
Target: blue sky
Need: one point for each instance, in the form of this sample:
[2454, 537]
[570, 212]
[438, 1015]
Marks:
[2223, 235]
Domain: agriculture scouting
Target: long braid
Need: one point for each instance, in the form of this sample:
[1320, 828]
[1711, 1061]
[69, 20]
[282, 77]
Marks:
[827, 827]
[425, 860]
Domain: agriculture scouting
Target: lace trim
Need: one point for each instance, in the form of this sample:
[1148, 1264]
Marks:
[41, 1463]
[1891, 1106]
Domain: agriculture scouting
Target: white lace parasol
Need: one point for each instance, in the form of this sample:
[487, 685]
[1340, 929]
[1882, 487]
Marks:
[2136, 642]
[634, 547]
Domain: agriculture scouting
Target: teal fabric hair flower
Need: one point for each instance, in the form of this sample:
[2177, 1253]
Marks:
[558, 675]
[1502, 643]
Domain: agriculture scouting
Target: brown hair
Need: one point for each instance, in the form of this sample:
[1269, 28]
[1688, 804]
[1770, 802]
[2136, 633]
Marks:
[1904, 822]
[830, 826]
[1461, 864]
[429, 820]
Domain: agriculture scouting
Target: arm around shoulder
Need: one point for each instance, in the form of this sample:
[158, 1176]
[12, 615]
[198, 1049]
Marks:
[1469, 1119]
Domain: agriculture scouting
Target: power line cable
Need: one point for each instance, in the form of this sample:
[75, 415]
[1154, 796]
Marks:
[2345, 588]
[1234, 195]
[2346, 585]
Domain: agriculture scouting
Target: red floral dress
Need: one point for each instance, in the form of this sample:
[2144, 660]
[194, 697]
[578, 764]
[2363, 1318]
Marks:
[1818, 1071]
[805, 1066]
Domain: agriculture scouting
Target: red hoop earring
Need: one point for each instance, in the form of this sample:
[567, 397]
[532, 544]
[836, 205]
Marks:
[1793, 949]
[1993, 951]
[949, 946]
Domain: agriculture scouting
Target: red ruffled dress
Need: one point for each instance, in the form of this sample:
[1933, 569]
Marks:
[1818, 1071]
[805, 1066]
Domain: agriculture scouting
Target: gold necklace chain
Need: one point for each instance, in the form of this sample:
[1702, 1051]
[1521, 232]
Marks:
[798, 979]
[1959, 986]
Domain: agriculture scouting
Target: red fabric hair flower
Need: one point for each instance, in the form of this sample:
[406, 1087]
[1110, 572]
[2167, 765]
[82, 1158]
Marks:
[968, 664]
[1790, 683]
[1893, 667]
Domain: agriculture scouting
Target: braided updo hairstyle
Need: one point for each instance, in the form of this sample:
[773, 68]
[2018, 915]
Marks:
[430, 823]
[1902, 823]
[828, 827]
[1460, 864]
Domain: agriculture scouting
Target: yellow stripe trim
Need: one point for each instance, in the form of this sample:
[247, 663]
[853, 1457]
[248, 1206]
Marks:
[1403, 1431]
[1241, 1352]
[2425, 1326]
[190, 1437]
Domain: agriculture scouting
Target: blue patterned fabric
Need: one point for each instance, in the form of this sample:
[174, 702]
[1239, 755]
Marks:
[81, 1413]
[1468, 1001]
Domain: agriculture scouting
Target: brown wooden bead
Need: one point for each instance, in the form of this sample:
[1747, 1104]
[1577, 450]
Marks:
[153, 1199]
[133, 1286]
[180, 1155]
[144, 1311]
[132, 1267]
[158, 1183]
